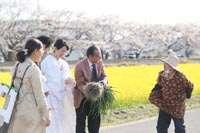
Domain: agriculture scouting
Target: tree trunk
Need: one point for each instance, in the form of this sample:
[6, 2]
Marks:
[11, 56]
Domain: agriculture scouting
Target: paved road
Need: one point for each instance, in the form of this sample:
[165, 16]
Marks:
[192, 122]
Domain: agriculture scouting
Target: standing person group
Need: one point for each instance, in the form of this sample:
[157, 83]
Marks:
[169, 95]
[47, 100]
[50, 101]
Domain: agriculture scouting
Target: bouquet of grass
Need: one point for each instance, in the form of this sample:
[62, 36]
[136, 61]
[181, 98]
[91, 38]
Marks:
[101, 98]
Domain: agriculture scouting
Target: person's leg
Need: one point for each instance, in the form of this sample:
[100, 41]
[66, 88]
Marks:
[164, 120]
[179, 125]
[81, 114]
[94, 123]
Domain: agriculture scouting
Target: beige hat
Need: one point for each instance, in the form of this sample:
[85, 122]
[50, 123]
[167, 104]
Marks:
[173, 61]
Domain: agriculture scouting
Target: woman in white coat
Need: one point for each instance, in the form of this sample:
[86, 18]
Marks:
[58, 88]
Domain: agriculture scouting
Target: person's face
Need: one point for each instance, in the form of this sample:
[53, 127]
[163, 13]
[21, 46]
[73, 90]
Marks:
[46, 49]
[38, 54]
[61, 52]
[167, 67]
[95, 57]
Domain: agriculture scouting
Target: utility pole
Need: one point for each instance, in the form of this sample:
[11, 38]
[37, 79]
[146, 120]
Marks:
[145, 26]
[38, 14]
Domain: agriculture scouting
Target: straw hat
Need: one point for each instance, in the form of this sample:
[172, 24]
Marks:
[173, 61]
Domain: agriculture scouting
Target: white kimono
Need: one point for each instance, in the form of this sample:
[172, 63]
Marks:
[60, 98]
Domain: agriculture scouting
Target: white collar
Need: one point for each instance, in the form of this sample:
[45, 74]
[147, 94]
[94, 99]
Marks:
[29, 60]
[89, 62]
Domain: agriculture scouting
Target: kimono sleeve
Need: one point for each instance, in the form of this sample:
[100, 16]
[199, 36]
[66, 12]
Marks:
[44, 70]
[66, 70]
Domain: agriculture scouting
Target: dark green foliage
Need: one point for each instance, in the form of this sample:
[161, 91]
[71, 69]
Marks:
[102, 104]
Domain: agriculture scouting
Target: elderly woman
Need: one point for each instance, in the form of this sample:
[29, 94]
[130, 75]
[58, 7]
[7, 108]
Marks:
[169, 95]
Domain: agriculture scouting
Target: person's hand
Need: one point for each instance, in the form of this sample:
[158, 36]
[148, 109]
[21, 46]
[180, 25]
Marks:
[189, 92]
[46, 122]
[46, 93]
[157, 87]
[103, 84]
[68, 81]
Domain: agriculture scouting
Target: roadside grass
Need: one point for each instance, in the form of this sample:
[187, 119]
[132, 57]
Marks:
[142, 111]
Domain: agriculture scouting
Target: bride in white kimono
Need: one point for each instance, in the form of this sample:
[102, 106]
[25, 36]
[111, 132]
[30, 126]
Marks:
[59, 87]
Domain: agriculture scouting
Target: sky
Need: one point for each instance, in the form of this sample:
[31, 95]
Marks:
[139, 11]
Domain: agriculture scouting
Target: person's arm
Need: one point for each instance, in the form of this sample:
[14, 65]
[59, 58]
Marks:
[44, 70]
[67, 75]
[155, 96]
[38, 93]
[188, 85]
[79, 78]
[157, 86]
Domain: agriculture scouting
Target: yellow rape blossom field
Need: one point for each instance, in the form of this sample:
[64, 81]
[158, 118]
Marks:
[132, 84]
